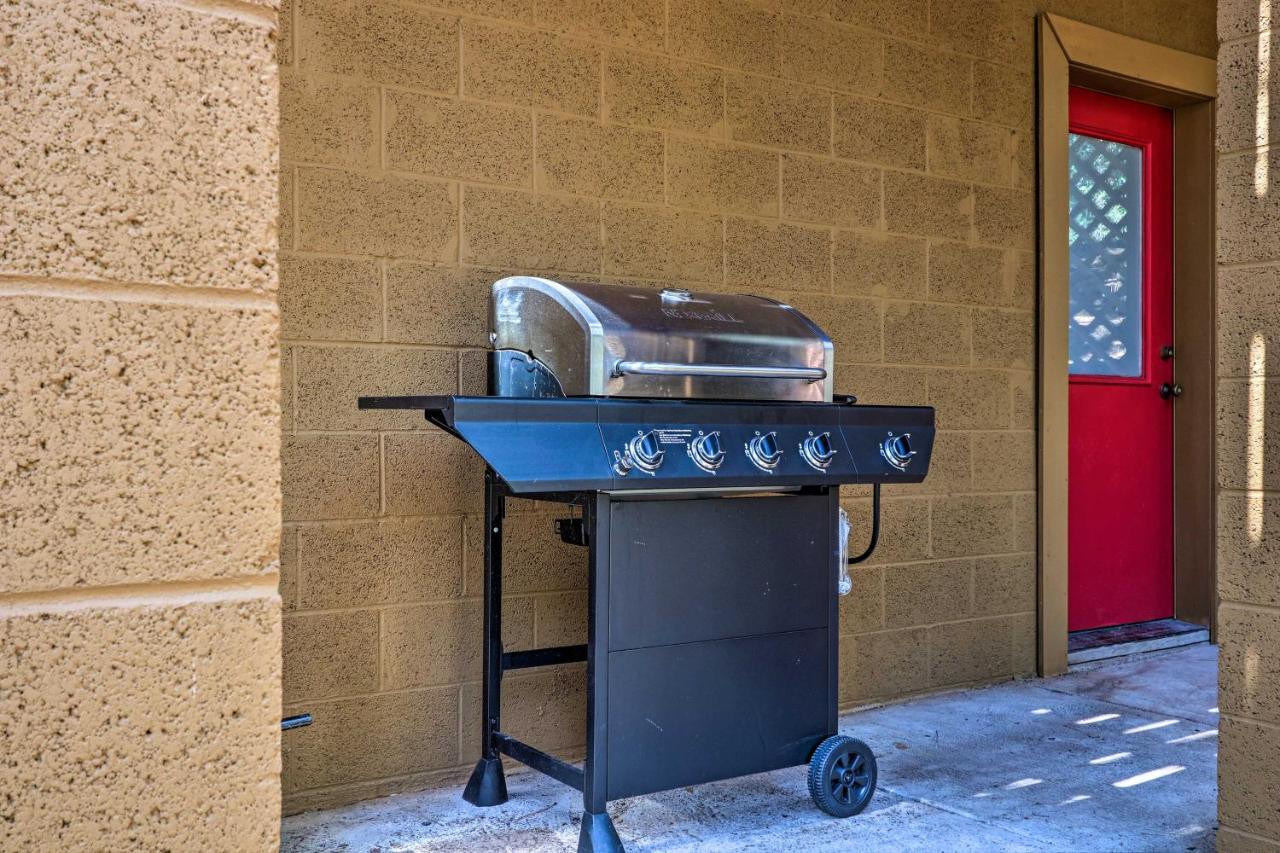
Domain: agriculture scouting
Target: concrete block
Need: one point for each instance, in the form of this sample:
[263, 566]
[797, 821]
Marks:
[328, 120]
[967, 525]
[852, 324]
[329, 379]
[1003, 94]
[284, 34]
[330, 654]
[128, 426]
[1248, 221]
[970, 399]
[773, 112]
[517, 66]
[187, 194]
[586, 158]
[520, 11]
[1248, 547]
[436, 644]
[521, 230]
[330, 299]
[877, 264]
[631, 23]
[970, 150]
[535, 558]
[1004, 461]
[543, 708]
[761, 254]
[450, 138]
[656, 91]
[970, 651]
[928, 206]
[1004, 585]
[391, 43]
[830, 192]
[287, 202]
[925, 593]
[1025, 524]
[1249, 779]
[885, 385]
[832, 55]
[863, 608]
[927, 333]
[903, 17]
[1001, 32]
[1248, 313]
[885, 663]
[115, 717]
[561, 619]
[924, 76]
[354, 214]
[1004, 338]
[1022, 387]
[1248, 668]
[876, 132]
[1237, 18]
[431, 474]
[659, 242]
[733, 33]
[440, 305]
[329, 476]
[372, 737]
[289, 569]
[720, 177]
[973, 275]
[1249, 420]
[1005, 217]
[361, 564]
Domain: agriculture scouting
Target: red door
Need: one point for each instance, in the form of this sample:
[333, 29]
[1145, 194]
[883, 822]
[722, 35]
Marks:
[1120, 505]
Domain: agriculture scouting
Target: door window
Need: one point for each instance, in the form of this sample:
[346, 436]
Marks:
[1105, 235]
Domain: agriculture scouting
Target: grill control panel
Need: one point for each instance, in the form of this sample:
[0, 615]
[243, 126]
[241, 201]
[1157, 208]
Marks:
[557, 444]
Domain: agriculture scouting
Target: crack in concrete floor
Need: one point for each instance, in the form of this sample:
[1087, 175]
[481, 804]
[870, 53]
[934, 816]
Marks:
[1116, 755]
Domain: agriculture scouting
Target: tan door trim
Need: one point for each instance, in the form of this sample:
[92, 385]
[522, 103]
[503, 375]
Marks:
[1073, 53]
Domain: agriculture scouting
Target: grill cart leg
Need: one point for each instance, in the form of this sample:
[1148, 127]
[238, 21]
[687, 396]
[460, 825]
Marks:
[488, 785]
[598, 834]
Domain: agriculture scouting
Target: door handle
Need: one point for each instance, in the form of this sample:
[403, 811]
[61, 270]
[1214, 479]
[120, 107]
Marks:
[1167, 390]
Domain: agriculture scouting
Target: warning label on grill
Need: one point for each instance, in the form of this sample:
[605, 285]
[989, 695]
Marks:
[674, 436]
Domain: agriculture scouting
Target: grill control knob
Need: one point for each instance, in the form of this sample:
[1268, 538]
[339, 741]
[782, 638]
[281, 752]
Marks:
[764, 451]
[706, 451]
[645, 452]
[896, 450]
[818, 451]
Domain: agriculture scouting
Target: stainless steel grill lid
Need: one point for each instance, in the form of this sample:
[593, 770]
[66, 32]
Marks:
[554, 339]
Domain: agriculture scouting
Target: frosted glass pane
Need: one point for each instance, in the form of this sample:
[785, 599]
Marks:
[1104, 230]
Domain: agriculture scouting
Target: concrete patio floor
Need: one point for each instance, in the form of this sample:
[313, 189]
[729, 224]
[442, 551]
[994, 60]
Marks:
[1117, 755]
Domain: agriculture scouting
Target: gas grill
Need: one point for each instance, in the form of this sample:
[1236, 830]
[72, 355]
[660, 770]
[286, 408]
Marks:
[698, 441]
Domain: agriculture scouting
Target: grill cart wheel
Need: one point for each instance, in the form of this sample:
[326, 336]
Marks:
[842, 776]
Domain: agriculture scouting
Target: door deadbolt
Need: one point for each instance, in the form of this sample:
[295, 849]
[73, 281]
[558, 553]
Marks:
[1167, 390]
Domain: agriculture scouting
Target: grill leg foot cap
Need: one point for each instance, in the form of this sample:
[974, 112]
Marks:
[598, 835]
[487, 785]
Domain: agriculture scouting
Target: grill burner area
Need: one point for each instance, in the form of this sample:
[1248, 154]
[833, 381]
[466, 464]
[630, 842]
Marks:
[698, 438]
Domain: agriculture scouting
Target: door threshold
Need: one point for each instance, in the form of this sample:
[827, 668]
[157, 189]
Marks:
[1121, 640]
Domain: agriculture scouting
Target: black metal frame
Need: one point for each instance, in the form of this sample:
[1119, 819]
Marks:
[487, 785]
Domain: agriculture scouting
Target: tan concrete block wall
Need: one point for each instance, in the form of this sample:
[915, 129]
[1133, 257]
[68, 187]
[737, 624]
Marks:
[870, 162]
[139, 426]
[1248, 426]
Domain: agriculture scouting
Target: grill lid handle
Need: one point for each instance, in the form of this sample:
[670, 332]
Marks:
[740, 371]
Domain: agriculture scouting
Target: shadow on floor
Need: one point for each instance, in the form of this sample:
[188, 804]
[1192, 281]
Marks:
[1118, 755]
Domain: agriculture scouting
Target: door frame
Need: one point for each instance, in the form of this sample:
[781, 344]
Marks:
[1071, 53]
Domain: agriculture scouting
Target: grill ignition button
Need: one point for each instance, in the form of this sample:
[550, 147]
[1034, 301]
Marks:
[896, 450]
[763, 450]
